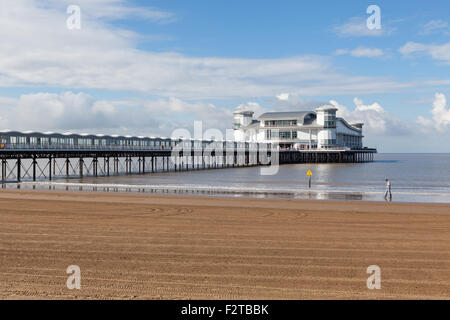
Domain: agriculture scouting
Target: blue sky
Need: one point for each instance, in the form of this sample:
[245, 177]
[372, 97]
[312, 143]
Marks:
[149, 67]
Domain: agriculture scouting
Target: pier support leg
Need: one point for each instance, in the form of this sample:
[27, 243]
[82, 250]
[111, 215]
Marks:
[34, 168]
[19, 165]
[3, 170]
[143, 164]
[50, 168]
[67, 167]
[95, 166]
[81, 167]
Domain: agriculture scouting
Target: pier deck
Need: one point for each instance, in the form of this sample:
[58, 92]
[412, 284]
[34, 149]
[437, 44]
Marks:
[18, 164]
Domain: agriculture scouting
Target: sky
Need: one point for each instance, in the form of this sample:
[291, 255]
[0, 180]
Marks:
[151, 67]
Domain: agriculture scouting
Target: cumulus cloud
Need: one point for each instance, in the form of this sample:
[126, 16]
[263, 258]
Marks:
[361, 52]
[440, 114]
[252, 106]
[186, 112]
[293, 102]
[437, 52]
[49, 111]
[376, 119]
[80, 112]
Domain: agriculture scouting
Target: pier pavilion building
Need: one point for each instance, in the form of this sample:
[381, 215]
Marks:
[301, 130]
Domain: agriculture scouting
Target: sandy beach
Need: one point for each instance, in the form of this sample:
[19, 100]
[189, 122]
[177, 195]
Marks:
[140, 246]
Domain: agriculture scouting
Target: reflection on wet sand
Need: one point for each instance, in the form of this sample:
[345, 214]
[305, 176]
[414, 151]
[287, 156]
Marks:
[258, 194]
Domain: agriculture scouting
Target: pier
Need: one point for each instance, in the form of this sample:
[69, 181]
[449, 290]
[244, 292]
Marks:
[33, 156]
[47, 164]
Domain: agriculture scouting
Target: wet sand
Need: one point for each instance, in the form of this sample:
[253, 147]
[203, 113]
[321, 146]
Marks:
[140, 246]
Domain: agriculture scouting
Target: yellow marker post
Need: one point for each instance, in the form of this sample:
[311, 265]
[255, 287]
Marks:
[309, 174]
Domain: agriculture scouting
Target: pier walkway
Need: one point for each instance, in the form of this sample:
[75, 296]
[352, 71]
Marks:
[32, 163]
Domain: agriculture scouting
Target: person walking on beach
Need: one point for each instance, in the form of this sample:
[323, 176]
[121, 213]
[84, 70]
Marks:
[388, 190]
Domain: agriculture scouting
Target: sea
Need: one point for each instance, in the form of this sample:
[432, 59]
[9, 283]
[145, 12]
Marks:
[414, 178]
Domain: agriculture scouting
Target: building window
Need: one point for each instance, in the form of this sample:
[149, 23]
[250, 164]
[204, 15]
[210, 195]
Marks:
[328, 142]
[280, 123]
[285, 135]
[330, 124]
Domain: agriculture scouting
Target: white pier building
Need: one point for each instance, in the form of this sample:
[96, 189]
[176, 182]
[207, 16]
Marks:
[302, 130]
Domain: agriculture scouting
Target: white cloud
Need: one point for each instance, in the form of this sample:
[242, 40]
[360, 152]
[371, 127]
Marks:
[180, 110]
[293, 102]
[376, 119]
[412, 47]
[360, 52]
[80, 112]
[340, 52]
[37, 50]
[49, 111]
[440, 114]
[252, 106]
[435, 26]
[111, 10]
[379, 122]
[357, 27]
[283, 96]
[437, 52]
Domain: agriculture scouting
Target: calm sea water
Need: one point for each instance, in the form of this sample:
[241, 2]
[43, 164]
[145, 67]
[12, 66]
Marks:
[414, 178]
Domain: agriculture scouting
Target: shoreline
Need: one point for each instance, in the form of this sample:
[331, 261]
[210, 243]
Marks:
[59, 193]
[200, 195]
[141, 246]
[229, 192]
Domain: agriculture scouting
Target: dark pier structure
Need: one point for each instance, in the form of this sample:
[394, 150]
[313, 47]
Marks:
[45, 156]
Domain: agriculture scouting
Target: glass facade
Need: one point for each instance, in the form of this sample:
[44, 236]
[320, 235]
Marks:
[282, 135]
[280, 123]
[330, 120]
